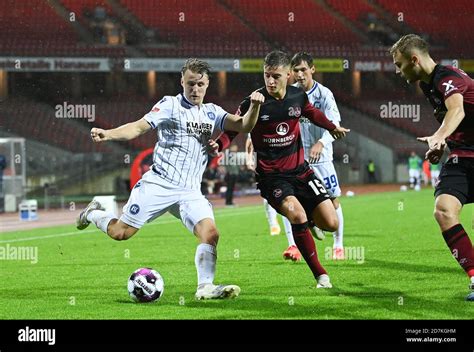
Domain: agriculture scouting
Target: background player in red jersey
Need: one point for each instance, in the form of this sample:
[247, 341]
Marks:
[451, 93]
[284, 177]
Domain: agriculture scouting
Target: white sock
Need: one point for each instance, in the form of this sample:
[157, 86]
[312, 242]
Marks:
[101, 219]
[205, 261]
[270, 213]
[339, 233]
[289, 231]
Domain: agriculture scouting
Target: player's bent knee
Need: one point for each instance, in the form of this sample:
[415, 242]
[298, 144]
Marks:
[298, 217]
[207, 234]
[444, 216]
[120, 233]
[331, 224]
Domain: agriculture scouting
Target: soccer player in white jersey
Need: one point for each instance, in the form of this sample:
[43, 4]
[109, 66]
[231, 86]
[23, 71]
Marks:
[317, 142]
[184, 127]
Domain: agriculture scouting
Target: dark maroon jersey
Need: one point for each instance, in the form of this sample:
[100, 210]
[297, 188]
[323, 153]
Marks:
[276, 136]
[446, 81]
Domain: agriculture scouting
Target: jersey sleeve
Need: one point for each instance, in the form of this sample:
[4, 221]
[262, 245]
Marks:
[221, 115]
[331, 110]
[316, 116]
[451, 84]
[161, 111]
[226, 138]
[243, 107]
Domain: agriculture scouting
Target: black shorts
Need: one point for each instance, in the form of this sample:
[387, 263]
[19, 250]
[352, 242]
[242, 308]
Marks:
[306, 187]
[457, 179]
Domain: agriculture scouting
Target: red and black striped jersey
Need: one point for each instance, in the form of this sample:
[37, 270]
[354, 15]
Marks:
[446, 81]
[276, 136]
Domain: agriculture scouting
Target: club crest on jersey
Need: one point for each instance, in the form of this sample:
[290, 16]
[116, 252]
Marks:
[294, 111]
[282, 129]
[277, 193]
[134, 209]
[211, 116]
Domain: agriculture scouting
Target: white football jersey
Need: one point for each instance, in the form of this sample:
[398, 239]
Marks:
[323, 99]
[183, 130]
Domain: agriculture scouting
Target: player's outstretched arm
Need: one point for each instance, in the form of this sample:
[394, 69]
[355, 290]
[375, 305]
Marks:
[123, 133]
[247, 122]
[319, 119]
[452, 120]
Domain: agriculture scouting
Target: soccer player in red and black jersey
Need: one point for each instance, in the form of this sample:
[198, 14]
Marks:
[284, 177]
[451, 93]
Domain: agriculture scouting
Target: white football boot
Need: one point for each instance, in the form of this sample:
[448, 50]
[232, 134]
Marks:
[323, 281]
[81, 221]
[211, 291]
[317, 233]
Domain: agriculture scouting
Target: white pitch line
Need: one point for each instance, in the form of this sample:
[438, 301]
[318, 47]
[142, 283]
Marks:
[64, 234]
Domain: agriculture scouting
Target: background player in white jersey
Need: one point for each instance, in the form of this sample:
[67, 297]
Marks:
[292, 252]
[317, 142]
[184, 127]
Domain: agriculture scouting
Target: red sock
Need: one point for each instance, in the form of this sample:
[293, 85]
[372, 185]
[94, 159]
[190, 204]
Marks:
[305, 243]
[461, 247]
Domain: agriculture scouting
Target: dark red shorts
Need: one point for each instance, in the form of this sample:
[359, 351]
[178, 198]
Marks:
[306, 187]
[457, 179]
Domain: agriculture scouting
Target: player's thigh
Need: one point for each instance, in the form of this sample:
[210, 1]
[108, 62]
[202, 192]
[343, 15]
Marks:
[325, 217]
[328, 176]
[192, 208]
[147, 201]
[275, 190]
[311, 192]
[292, 209]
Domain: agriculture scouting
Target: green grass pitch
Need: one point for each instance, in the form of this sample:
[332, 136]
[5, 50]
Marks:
[400, 269]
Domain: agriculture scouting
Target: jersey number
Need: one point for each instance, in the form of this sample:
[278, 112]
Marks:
[317, 187]
[330, 182]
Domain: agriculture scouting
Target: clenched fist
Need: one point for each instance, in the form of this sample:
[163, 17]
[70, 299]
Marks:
[99, 135]
[257, 98]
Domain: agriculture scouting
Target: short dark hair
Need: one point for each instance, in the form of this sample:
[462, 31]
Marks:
[277, 58]
[407, 43]
[196, 66]
[298, 58]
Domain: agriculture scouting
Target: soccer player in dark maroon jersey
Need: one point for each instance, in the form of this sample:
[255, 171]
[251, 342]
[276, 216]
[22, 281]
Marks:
[451, 93]
[284, 177]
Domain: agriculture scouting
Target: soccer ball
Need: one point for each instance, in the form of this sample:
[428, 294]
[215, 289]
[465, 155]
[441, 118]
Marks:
[145, 285]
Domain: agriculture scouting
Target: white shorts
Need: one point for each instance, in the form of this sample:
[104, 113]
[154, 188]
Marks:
[149, 200]
[327, 174]
[414, 173]
[434, 173]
